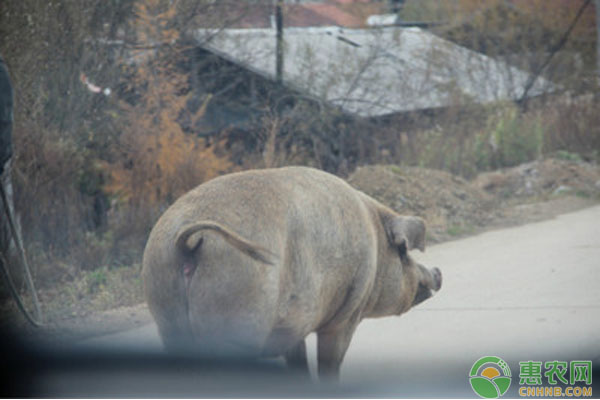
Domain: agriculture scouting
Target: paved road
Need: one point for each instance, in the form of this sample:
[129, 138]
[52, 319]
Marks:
[524, 293]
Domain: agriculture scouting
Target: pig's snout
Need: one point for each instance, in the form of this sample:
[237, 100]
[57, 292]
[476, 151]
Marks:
[431, 281]
[431, 278]
[436, 276]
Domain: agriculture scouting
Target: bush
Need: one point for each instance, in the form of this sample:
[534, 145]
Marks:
[52, 209]
[572, 125]
[504, 137]
[514, 138]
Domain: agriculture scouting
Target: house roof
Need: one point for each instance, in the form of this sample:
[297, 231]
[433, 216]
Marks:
[260, 15]
[374, 72]
[326, 11]
[344, 13]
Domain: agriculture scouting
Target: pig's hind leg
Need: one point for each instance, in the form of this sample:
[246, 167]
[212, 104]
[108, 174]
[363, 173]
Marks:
[296, 358]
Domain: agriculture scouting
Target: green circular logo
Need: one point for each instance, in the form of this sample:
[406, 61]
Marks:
[490, 377]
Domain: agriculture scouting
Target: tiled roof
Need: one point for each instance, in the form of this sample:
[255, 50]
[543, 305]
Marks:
[329, 13]
[344, 13]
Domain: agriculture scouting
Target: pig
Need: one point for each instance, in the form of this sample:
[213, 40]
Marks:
[249, 263]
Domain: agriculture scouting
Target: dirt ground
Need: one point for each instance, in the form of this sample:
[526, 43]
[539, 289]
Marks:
[452, 207]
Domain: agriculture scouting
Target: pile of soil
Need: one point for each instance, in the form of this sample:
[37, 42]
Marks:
[454, 207]
[450, 205]
[542, 179]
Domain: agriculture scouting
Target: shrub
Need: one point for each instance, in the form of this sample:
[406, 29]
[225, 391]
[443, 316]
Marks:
[573, 125]
[504, 137]
[48, 167]
[514, 138]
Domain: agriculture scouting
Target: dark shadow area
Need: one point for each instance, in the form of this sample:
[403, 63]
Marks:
[41, 371]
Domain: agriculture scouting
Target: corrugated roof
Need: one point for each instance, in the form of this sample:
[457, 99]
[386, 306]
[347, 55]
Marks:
[374, 72]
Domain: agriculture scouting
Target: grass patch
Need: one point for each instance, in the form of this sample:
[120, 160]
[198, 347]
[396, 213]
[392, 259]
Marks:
[583, 194]
[92, 291]
[396, 169]
[567, 156]
[457, 230]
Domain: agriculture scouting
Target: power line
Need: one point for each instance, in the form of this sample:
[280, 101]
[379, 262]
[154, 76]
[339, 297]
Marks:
[534, 75]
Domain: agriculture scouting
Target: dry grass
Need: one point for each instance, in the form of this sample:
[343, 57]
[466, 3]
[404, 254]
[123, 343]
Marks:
[79, 296]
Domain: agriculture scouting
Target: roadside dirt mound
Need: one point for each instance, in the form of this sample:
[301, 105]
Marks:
[451, 206]
[541, 179]
[454, 207]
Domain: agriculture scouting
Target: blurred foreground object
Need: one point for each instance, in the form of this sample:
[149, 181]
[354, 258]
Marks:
[9, 231]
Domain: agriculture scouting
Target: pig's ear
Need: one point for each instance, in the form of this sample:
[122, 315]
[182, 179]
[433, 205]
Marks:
[406, 232]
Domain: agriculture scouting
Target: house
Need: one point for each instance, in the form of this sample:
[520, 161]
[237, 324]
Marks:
[373, 72]
[345, 93]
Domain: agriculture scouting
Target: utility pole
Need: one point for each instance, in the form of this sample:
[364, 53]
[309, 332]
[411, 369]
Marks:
[395, 6]
[279, 39]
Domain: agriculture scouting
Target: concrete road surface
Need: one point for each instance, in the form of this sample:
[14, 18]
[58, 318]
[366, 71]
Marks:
[524, 293]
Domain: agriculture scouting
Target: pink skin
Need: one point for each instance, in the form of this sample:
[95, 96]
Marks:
[188, 271]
